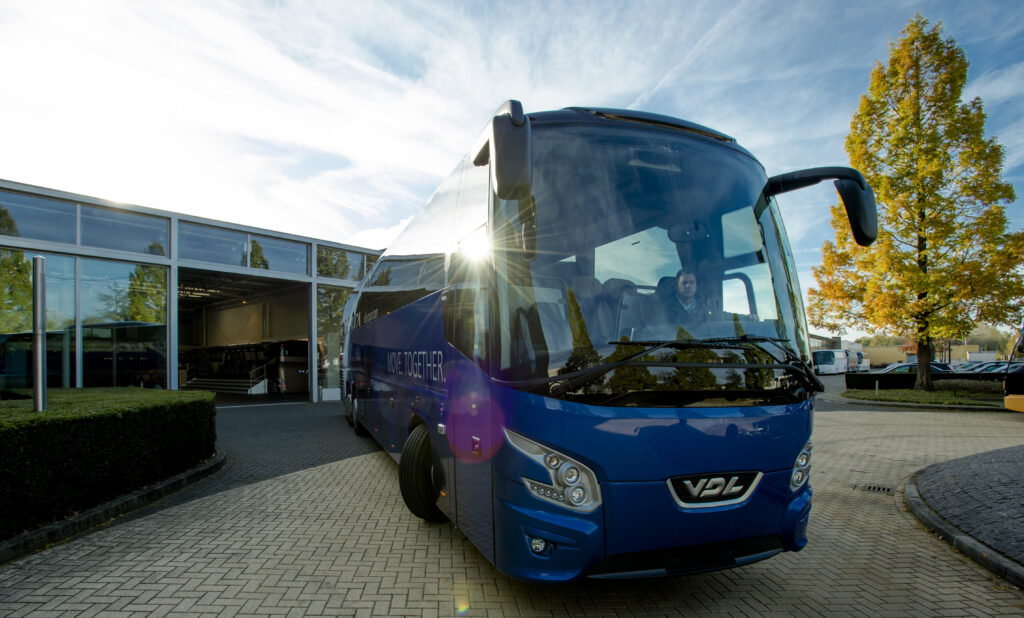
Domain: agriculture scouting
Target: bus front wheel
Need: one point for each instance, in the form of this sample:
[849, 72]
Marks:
[416, 476]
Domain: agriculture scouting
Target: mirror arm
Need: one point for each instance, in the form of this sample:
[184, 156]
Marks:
[804, 178]
[854, 191]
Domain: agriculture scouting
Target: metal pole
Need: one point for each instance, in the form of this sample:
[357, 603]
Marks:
[39, 332]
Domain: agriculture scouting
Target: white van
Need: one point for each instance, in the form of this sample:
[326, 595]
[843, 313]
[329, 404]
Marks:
[828, 362]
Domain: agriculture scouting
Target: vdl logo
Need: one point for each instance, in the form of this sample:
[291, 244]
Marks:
[712, 490]
[716, 486]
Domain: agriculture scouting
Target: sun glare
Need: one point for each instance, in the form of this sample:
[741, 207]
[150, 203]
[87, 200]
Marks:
[476, 246]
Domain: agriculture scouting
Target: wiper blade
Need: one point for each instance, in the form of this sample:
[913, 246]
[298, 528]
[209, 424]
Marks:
[792, 360]
[563, 383]
[675, 343]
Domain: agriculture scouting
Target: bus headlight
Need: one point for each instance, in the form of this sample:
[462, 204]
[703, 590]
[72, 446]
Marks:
[570, 484]
[577, 496]
[801, 468]
[569, 474]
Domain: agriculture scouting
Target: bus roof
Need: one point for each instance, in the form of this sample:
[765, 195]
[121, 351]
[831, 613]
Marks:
[634, 117]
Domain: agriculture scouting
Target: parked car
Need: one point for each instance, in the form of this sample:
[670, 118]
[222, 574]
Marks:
[912, 368]
[1000, 367]
[987, 366]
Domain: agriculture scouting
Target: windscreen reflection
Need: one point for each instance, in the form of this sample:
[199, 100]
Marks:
[640, 235]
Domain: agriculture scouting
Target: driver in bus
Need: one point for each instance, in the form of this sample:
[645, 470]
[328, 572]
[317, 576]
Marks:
[675, 306]
[683, 306]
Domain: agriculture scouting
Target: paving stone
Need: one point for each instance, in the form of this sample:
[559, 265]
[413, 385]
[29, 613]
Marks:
[982, 495]
[306, 519]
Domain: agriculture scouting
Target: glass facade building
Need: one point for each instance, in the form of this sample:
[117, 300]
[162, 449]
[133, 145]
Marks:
[141, 297]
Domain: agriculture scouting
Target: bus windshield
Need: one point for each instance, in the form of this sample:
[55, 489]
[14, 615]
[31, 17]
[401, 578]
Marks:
[636, 239]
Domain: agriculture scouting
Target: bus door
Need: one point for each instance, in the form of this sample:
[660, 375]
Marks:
[471, 432]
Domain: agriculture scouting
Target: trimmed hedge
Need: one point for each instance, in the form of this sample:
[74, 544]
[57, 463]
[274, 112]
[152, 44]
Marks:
[906, 380]
[93, 445]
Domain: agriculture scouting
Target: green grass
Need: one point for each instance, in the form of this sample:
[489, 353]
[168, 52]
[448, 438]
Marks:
[947, 392]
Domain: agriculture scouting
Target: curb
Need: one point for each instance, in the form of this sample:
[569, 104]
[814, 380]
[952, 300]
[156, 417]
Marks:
[974, 549]
[935, 407]
[64, 530]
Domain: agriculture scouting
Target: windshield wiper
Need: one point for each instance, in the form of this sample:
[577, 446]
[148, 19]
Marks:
[564, 383]
[792, 360]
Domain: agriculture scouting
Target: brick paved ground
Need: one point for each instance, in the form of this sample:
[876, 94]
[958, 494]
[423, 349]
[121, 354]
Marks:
[982, 495]
[334, 538]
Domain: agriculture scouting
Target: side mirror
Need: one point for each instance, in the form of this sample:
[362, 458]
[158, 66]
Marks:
[857, 196]
[508, 151]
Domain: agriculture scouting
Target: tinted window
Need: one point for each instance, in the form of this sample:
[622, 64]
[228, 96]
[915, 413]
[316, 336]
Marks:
[330, 303]
[16, 319]
[338, 263]
[211, 244]
[124, 332]
[276, 254]
[124, 231]
[36, 217]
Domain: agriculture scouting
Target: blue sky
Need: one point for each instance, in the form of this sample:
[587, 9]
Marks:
[338, 119]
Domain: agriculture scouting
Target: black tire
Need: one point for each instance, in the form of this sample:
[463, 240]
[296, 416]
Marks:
[416, 476]
[348, 411]
[357, 421]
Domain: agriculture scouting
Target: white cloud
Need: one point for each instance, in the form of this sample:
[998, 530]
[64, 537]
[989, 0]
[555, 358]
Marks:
[335, 120]
[997, 86]
[379, 238]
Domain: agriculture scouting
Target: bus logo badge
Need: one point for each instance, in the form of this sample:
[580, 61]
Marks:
[716, 486]
[700, 491]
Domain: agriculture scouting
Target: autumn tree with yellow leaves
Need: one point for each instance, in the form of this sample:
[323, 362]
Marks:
[944, 260]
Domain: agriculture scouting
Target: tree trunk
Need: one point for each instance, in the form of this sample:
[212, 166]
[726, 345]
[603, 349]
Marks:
[925, 354]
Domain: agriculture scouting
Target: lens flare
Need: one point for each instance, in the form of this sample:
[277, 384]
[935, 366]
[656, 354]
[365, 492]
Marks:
[476, 247]
[461, 594]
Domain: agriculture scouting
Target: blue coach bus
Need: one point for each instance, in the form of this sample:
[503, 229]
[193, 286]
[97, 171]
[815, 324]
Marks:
[521, 351]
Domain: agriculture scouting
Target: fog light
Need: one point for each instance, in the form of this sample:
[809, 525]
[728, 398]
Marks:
[553, 460]
[538, 546]
[801, 468]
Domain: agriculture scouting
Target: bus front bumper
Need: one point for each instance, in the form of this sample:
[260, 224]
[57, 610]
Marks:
[639, 531]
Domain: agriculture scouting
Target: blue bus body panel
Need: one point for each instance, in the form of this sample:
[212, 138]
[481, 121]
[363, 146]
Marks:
[406, 367]
[473, 437]
[412, 373]
[651, 444]
[634, 451]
